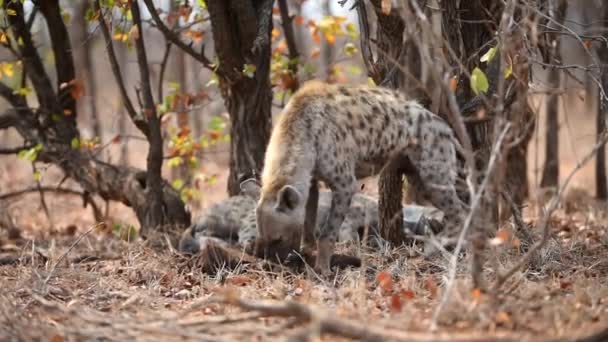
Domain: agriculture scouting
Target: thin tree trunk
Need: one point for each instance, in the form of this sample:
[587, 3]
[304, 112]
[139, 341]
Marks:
[550, 176]
[601, 184]
[83, 44]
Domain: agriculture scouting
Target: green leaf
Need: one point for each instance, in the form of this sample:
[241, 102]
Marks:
[350, 49]
[177, 184]
[216, 124]
[11, 11]
[175, 162]
[37, 175]
[214, 80]
[370, 82]
[354, 70]
[351, 30]
[489, 55]
[30, 154]
[249, 70]
[211, 180]
[479, 81]
[202, 4]
[75, 143]
[24, 91]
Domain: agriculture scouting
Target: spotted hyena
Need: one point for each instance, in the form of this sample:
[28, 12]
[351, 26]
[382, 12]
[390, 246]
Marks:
[233, 221]
[323, 133]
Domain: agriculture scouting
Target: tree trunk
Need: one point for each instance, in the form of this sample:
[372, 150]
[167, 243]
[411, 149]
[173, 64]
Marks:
[241, 34]
[550, 176]
[601, 184]
[83, 43]
[389, 37]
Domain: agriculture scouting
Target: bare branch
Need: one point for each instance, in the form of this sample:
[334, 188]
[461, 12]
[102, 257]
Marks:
[44, 189]
[137, 119]
[163, 68]
[287, 23]
[544, 223]
[174, 38]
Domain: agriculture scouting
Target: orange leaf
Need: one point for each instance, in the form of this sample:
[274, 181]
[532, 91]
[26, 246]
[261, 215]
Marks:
[76, 88]
[588, 43]
[67, 112]
[453, 83]
[331, 39]
[476, 293]
[215, 135]
[396, 305]
[385, 281]
[275, 33]
[116, 139]
[299, 20]
[407, 294]
[503, 317]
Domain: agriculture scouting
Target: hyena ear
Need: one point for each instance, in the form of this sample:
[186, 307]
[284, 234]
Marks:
[288, 198]
[251, 188]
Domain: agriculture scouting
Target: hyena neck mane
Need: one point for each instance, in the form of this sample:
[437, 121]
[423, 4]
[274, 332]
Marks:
[290, 156]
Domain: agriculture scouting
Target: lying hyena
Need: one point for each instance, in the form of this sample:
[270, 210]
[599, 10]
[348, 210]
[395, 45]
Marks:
[233, 221]
[324, 132]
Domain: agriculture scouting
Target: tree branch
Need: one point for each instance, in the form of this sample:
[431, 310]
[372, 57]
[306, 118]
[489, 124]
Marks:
[32, 61]
[174, 38]
[62, 50]
[139, 122]
[287, 23]
[39, 189]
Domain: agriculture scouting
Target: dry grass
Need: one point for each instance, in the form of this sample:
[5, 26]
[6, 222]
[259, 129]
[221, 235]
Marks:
[111, 289]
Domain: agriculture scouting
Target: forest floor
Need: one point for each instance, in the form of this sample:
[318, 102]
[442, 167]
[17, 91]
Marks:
[75, 284]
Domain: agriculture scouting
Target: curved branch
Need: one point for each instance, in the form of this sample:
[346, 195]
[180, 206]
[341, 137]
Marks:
[174, 38]
[139, 122]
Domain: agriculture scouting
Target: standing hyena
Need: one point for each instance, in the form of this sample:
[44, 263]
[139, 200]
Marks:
[324, 132]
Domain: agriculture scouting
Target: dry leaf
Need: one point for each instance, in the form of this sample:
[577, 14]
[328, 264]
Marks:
[385, 281]
[396, 305]
[407, 294]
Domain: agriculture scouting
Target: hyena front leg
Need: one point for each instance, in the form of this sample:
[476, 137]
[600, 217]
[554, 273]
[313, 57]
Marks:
[342, 191]
[310, 222]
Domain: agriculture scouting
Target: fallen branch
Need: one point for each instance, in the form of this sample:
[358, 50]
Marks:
[327, 323]
[38, 189]
[544, 223]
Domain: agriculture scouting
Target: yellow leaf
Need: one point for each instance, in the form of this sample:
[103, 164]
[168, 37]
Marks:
[508, 71]
[7, 69]
[275, 33]
[331, 39]
[386, 6]
[3, 38]
[479, 81]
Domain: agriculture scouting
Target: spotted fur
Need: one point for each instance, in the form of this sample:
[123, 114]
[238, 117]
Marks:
[323, 133]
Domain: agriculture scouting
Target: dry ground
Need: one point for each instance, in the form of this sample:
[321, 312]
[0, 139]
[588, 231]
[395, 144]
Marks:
[62, 281]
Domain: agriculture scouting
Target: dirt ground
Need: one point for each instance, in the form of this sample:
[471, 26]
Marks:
[64, 279]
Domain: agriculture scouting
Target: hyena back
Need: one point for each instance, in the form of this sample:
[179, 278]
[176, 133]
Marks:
[324, 132]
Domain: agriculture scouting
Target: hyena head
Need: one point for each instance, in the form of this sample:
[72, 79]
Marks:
[280, 222]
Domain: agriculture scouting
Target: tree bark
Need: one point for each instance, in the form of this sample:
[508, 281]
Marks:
[601, 184]
[241, 34]
[550, 177]
[384, 71]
